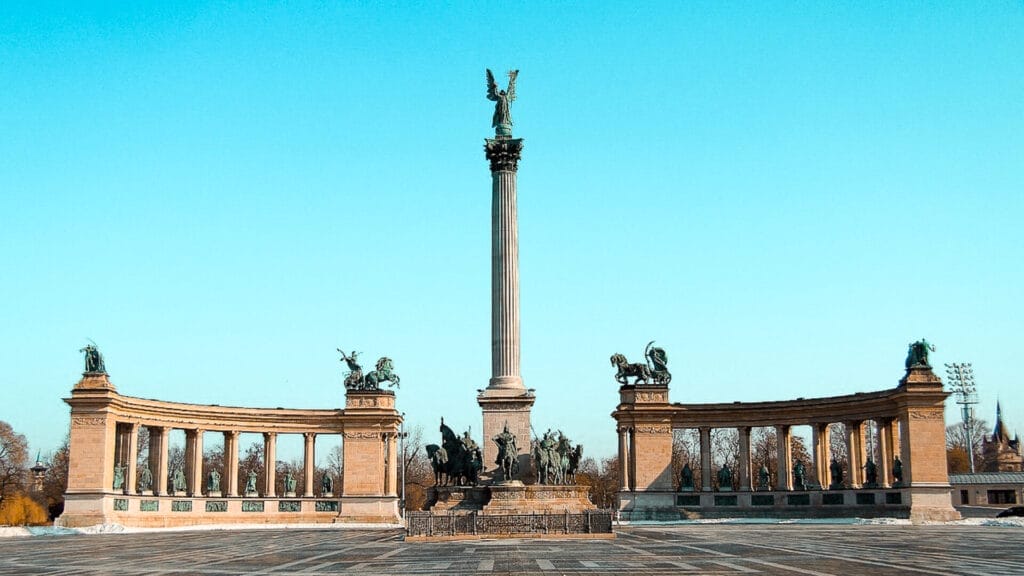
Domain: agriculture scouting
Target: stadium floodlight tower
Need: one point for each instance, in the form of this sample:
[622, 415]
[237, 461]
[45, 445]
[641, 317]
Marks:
[961, 382]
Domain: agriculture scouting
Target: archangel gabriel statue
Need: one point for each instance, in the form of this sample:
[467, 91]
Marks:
[502, 121]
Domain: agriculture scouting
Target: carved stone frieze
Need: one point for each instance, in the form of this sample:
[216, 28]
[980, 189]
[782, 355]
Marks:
[361, 435]
[88, 421]
[658, 429]
[926, 415]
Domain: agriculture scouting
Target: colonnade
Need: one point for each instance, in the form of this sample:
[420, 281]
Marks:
[126, 455]
[856, 439]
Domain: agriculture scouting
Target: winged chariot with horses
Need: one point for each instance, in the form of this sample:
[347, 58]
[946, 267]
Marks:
[355, 380]
[654, 372]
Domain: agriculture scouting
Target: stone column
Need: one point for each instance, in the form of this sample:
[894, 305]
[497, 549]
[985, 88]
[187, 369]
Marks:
[160, 474]
[884, 452]
[854, 441]
[784, 461]
[623, 458]
[822, 454]
[194, 461]
[745, 472]
[705, 459]
[505, 400]
[270, 464]
[131, 480]
[632, 458]
[391, 468]
[308, 463]
[231, 462]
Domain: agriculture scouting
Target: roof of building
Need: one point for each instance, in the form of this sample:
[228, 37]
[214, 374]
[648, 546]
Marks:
[988, 478]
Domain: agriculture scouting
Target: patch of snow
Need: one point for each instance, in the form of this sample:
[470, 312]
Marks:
[12, 531]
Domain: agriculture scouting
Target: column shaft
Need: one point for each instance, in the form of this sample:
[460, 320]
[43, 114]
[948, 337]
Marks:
[270, 464]
[784, 458]
[160, 478]
[623, 459]
[231, 462]
[884, 452]
[504, 281]
[133, 460]
[632, 459]
[745, 473]
[705, 460]
[854, 439]
[308, 461]
[822, 454]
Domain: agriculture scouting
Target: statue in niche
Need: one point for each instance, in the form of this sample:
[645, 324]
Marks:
[836, 471]
[763, 478]
[250, 482]
[213, 482]
[799, 474]
[897, 471]
[502, 120]
[289, 482]
[93, 360]
[917, 354]
[724, 478]
[686, 479]
[178, 481]
[119, 471]
[508, 454]
[870, 474]
[327, 484]
[145, 479]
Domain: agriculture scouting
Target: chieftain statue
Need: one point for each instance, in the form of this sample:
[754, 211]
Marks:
[555, 459]
[686, 479]
[213, 482]
[917, 354]
[502, 121]
[508, 454]
[354, 379]
[457, 461]
[654, 372]
[93, 360]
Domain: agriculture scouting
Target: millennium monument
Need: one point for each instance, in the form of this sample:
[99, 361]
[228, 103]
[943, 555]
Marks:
[506, 402]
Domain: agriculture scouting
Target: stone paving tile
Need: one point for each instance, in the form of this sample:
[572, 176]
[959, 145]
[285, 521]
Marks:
[647, 550]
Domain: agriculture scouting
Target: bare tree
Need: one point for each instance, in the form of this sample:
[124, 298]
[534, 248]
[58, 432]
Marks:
[956, 437]
[685, 450]
[602, 478]
[55, 483]
[251, 461]
[13, 459]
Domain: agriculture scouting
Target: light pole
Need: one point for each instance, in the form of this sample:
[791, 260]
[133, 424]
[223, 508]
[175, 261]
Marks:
[961, 382]
[401, 438]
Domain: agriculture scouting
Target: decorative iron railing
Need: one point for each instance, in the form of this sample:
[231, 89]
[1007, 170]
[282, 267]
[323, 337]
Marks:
[427, 524]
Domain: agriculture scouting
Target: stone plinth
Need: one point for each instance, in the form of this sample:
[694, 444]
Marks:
[501, 407]
[538, 499]
[510, 498]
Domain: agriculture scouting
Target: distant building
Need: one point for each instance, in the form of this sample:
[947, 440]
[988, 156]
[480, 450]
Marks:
[987, 488]
[1000, 453]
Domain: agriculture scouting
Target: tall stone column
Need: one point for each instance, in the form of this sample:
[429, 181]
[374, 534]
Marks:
[308, 463]
[505, 401]
[745, 473]
[160, 475]
[133, 458]
[854, 443]
[194, 461]
[705, 459]
[884, 452]
[822, 454]
[270, 464]
[231, 463]
[624, 457]
[784, 453]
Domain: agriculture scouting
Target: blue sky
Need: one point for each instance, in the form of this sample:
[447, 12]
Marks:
[783, 196]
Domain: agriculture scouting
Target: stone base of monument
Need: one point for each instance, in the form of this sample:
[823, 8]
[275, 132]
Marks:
[369, 510]
[508, 510]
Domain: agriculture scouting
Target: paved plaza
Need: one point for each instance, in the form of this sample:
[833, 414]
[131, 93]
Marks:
[666, 549]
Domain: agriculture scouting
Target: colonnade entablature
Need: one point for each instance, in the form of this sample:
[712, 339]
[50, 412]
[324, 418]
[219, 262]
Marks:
[107, 484]
[909, 423]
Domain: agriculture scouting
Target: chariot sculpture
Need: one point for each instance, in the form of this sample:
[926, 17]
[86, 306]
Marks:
[654, 371]
[355, 380]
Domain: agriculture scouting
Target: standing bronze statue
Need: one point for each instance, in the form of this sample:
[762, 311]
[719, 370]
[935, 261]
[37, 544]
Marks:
[502, 121]
[917, 354]
[93, 360]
